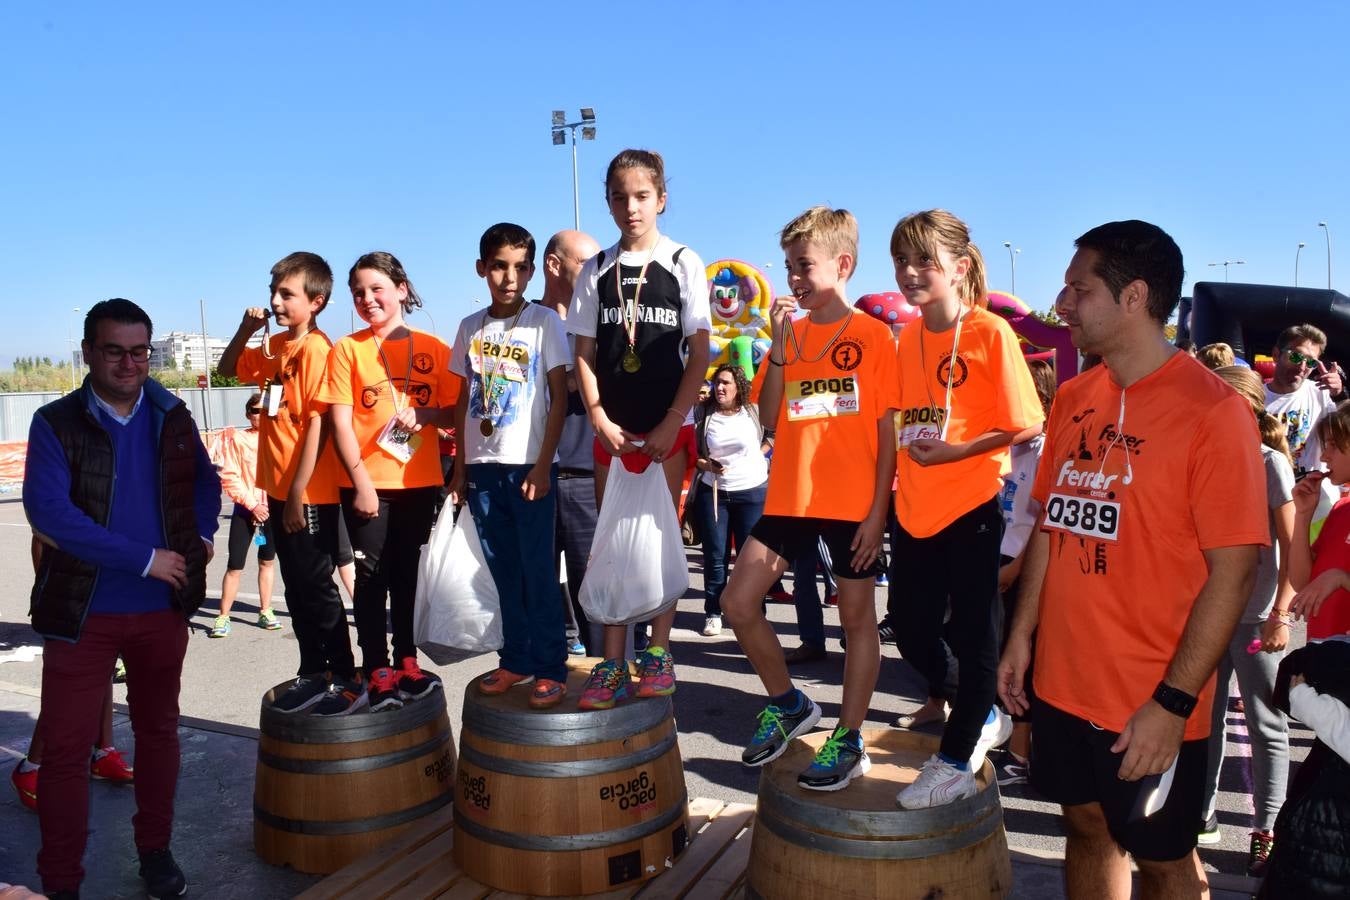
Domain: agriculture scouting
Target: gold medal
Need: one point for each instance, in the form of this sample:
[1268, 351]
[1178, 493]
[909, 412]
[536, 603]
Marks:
[631, 361]
[485, 427]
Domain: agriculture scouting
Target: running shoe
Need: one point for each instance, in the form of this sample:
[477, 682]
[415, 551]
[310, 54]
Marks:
[1012, 771]
[831, 601]
[779, 597]
[939, 783]
[25, 785]
[499, 681]
[344, 696]
[576, 648]
[712, 626]
[1209, 830]
[220, 627]
[413, 683]
[993, 734]
[777, 728]
[838, 761]
[1259, 857]
[107, 764]
[804, 653]
[162, 876]
[120, 672]
[267, 619]
[607, 685]
[547, 693]
[656, 673]
[303, 693]
[383, 690]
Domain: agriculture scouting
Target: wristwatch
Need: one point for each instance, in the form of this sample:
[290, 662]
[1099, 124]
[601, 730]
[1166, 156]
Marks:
[1177, 702]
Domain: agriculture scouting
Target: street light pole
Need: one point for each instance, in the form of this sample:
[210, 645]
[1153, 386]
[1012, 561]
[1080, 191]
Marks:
[587, 126]
[1327, 229]
[1229, 262]
[71, 341]
[1012, 264]
[1301, 245]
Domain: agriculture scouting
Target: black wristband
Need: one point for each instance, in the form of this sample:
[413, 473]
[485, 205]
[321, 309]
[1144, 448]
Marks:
[1175, 701]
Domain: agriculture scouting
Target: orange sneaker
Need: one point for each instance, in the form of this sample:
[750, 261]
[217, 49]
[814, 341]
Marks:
[25, 784]
[546, 693]
[499, 681]
[108, 765]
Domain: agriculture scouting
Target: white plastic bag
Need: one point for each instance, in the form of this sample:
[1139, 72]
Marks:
[637, 568]
[457, 613]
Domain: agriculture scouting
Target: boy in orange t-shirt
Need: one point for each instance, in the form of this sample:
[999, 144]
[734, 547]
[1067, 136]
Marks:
[830, 393]
[385, 384]
[299, 475]
[965, 394]
[1154, 506]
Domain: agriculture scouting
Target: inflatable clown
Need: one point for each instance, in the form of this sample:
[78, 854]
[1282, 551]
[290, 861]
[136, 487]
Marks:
[740, 295]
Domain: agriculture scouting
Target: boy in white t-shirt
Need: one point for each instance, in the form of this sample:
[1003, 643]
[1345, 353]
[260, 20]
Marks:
[514, 360]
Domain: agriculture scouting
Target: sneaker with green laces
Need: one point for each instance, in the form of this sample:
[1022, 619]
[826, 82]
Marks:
[838, 761]
[220, 627]
[268, 619]
[777, 728]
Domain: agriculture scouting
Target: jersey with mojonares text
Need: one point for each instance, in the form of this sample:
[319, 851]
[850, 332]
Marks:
[825, 455]
[1136, 485]
[672, 306]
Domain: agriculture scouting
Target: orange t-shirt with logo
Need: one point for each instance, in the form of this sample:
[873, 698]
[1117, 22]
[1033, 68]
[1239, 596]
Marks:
[1129, 509]
[991, 389]
[301, 365]
[825, 451]
[357, 377]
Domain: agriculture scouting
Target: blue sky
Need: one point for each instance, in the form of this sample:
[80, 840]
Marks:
[166, 152]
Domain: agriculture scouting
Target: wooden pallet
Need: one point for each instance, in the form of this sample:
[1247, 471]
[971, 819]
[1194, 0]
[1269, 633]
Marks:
[418, 865]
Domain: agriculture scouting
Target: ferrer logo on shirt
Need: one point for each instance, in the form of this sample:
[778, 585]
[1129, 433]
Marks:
[918, 423]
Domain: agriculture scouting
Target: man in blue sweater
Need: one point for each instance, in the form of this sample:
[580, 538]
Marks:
[121, 492]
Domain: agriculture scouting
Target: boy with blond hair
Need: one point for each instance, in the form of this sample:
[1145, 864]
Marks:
[830, 391]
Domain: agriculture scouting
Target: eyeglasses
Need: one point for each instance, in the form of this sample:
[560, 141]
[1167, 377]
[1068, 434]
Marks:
[113, 353]
[1301, 359]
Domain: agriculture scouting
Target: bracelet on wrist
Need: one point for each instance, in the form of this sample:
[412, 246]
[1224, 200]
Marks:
[1283, 616]
[774, 362]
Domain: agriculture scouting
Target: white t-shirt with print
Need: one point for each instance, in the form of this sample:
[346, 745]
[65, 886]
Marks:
[517, 362]
[1299, 411]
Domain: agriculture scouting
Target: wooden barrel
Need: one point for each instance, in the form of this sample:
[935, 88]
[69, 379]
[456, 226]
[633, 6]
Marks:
[856, 844]
[556, 802]
[330, 789]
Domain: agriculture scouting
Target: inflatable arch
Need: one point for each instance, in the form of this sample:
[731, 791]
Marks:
[1040, 340]
[1250, 317]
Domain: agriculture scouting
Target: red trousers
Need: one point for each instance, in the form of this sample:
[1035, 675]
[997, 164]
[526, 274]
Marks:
[74, 684]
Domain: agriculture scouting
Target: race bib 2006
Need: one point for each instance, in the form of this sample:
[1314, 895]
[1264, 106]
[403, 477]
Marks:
[1083, 516]
[510, 363]
[817, 398]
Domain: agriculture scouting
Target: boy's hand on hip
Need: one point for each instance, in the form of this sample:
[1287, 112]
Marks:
[866, 544]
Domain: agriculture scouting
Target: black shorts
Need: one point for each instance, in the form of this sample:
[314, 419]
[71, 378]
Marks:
[1072, 764]
[792, 538]
[344, 555]
[241, 535]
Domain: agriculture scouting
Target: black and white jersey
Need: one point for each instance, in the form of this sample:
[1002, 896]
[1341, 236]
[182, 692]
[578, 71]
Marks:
[673, 305]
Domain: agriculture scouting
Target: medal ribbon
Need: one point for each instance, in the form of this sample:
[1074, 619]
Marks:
[951, 371]
[630, 312]
[484, 379]
[384, 361]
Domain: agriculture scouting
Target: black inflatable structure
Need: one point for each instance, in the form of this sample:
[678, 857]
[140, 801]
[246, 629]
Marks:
[1249, 317]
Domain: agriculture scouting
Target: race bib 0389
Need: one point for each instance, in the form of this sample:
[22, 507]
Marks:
[1083, 516]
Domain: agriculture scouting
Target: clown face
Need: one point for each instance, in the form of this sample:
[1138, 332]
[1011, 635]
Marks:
[726, 301]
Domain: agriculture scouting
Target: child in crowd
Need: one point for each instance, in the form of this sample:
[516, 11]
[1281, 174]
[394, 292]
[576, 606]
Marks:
[641, 318]
[1264, 624]
[1019, 516]
[298, 473]
[514, 359]
[385, 384]
[1318, 570]
[965, 395]
[829, 396]
[235, 453]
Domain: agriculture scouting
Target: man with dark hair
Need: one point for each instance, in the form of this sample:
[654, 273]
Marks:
[1302, 390]
[123, 572]
[1153, 502]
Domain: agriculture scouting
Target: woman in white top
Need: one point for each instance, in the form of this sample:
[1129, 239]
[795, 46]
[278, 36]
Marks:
[727, 497]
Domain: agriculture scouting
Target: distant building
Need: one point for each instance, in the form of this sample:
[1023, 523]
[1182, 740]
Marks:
[187, 351]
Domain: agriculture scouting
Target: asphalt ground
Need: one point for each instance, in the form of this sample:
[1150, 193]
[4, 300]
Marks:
[716, 705]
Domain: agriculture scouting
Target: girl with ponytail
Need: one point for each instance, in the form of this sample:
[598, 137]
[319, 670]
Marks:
[1265, 627]
[965, 394]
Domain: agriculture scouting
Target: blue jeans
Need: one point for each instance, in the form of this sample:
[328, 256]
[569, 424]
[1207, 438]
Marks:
[517, 538]
[810, 618]
[737, 513]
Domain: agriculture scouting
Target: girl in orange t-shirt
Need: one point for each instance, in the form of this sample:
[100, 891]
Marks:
[385, 384]
[1319, 571]
[965, 394]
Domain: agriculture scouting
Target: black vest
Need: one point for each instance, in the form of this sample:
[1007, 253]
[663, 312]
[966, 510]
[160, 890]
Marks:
[65, 583]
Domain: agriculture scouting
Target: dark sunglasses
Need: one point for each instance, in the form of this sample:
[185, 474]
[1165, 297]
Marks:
[1301, 359]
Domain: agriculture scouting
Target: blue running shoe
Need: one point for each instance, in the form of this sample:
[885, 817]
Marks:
[838, 762]
[777, 728]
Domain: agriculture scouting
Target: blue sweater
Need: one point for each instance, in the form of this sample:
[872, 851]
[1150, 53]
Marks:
[123, 549]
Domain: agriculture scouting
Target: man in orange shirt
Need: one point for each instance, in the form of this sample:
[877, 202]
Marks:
[299, 480]
[1153, 497]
